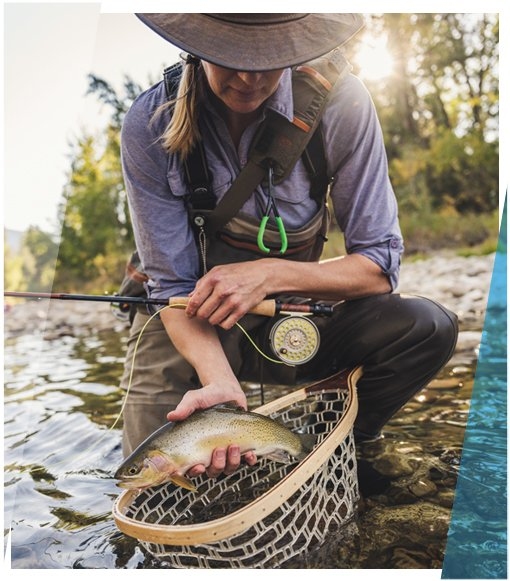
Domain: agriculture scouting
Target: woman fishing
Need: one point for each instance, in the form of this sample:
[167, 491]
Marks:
[237, 79]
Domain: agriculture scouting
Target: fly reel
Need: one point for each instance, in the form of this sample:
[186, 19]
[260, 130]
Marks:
[295, 339]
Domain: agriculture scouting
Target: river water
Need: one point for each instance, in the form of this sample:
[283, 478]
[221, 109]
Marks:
[61, 401]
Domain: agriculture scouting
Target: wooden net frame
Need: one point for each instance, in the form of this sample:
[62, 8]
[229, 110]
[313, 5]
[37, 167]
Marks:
[261, 516]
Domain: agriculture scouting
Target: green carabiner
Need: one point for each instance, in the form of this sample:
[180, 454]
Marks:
[271, 205]
[283, 234]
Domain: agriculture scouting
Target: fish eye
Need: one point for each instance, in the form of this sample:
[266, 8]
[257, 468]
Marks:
[133, 470]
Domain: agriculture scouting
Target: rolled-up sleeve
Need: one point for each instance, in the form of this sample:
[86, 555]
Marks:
[363, 199]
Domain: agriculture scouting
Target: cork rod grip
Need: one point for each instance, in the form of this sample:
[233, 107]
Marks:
[265, 308]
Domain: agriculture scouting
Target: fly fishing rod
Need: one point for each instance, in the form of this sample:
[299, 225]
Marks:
[267, 308]
[294, 339]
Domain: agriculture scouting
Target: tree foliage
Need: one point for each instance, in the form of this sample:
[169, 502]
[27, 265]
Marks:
[439, 110]
[96, 229]
[33, 267]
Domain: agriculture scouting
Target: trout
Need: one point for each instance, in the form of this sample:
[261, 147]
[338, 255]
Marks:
[168, 453]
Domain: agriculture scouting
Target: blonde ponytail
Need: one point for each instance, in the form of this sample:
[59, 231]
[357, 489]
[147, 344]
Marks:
[182, 131]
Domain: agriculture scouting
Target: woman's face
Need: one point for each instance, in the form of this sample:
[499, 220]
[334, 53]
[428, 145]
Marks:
[241, 92]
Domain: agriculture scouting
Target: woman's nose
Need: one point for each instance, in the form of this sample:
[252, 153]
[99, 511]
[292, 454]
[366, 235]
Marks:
[249, 78]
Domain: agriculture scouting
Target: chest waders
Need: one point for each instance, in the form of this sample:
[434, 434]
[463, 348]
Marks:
[401, 341]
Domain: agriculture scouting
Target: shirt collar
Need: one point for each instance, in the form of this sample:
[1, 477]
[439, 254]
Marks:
[281, 100]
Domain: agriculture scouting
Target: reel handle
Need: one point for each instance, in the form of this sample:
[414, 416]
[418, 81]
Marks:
[266, 308]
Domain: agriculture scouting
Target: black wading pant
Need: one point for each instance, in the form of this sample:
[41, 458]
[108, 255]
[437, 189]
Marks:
[401, 341]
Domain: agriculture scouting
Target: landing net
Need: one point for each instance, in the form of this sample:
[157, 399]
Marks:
[262, 516]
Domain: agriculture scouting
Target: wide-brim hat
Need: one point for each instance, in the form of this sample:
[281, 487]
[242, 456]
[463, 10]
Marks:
[255, 42]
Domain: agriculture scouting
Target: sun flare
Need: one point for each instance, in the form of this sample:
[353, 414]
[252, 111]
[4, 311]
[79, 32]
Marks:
[374, 59]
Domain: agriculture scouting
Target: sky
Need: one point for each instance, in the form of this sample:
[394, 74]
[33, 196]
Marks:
[49, 49]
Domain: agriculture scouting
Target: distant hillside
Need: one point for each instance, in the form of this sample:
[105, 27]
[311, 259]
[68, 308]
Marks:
[13, 239]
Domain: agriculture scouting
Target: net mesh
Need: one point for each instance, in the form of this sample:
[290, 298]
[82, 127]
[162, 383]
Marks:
[322, 504]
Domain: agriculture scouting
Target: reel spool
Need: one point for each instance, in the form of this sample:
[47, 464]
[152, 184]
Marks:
[295, 339]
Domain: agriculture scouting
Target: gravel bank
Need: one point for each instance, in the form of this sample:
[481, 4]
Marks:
[460, 284]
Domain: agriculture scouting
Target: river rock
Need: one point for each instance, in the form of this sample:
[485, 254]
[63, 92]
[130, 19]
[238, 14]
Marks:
[459, 283]
[394, 465]
[423, 487]
[418, 522]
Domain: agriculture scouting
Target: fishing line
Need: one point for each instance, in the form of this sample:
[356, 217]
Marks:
[172, 306]
[138, 339]
[131, 373]
[257, 348]
[130, 381]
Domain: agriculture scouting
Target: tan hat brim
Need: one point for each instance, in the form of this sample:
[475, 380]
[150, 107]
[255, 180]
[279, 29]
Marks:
[251, 46]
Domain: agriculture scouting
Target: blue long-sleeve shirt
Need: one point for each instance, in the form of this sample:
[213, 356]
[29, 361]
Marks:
[361, 194]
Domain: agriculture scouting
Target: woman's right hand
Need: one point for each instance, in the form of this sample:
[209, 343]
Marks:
[206, 397]
[223, 460]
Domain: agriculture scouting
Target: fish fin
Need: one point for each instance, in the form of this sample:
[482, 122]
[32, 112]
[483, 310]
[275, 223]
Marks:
[308, 441]
[229, 405]
[181, 480]
[279, 456]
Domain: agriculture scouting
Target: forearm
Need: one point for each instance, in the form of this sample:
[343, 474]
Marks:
[226, 293]
[197, 341]
[349, 277]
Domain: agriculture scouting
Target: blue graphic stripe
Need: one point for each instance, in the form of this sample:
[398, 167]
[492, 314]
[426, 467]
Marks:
[477, 539]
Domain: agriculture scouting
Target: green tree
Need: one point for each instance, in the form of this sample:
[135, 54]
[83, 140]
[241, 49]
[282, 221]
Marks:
[32, 267]
[13, 269]
[439, 110]
[43, 250]
[96, 233]
[96, 230]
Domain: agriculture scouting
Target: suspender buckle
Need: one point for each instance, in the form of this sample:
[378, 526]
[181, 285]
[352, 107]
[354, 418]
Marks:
[199, 221]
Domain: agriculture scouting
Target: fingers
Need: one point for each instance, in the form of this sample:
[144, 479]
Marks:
[221, 311]
[206, 397]
[223, 461]
[219, 463]
[233, 459]
[188, 404]
[226, 293]
[196, 470]
[179, 413]
[250, 458]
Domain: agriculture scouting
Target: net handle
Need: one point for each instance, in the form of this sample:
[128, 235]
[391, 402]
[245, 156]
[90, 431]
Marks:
[242, 519]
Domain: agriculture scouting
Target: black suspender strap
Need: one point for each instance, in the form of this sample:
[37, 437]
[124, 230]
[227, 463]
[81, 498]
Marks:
[198, 179]
[240, 190]
[314, 159]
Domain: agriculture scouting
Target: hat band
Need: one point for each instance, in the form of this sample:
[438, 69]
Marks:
[257, 18]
